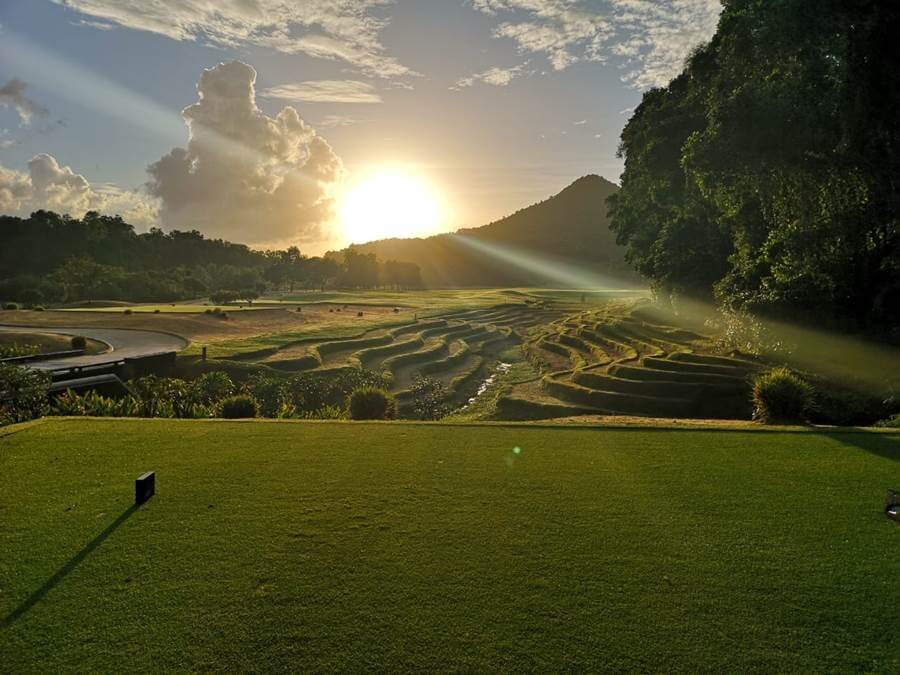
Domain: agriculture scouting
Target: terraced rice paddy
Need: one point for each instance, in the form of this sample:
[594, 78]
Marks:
[457, 348]
[619, 357]
[631, 361]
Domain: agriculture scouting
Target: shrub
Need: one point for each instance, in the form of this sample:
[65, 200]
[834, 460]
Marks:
[208, 311]
[428, 398]
[359, 314]
[212, 387]
[369, 403]
[17, 349]
[23, 392]
[10, 306]
[270, 395]
[299, 309]
[892, 422]
[396, 310]
[156, 311]
[329, 412]
[781, 396]
[79, 342]
[128, 311]
[237, 407]
[38, 308]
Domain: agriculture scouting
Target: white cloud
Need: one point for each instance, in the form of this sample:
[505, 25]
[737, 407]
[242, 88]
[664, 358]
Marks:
[325, 91]
[653, 38]
[49, 185]
[498, 77]
[246, 176]
[12, 94]
[580, 123]
[339, 121]
[342, 30]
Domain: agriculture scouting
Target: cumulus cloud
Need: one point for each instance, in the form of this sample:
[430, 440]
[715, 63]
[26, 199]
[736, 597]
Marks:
[244, 175]
[325, 91]
[498, 77]
[342, 30]
[651, 38]
[49, 185]
[12, 94]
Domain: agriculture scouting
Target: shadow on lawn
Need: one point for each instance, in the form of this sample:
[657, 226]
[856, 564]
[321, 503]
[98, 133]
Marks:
[883, 445]
[61, 574]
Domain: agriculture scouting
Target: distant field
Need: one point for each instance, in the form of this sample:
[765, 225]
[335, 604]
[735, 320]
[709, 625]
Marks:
[295, 546]
[177, 309]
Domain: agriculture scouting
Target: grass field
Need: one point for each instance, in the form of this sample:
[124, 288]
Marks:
[47, 342]
[293, 546]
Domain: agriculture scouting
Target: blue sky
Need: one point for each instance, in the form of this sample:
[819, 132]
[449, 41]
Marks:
[496, 103]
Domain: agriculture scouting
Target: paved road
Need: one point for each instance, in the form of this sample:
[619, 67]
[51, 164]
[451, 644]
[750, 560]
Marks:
[123, 344]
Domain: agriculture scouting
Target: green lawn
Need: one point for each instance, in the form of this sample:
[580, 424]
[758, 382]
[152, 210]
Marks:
[341, 546]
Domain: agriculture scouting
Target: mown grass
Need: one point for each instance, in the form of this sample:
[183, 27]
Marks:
[294, 546]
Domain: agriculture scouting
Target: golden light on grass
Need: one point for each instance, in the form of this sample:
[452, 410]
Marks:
[390, 202]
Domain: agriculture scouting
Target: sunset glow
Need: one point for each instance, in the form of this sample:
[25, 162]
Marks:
[389, 203]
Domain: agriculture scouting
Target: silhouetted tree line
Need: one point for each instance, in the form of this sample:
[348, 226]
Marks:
[49, 258]
[766, 174]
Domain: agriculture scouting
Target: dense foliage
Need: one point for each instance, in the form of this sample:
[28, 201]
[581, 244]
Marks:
[23, 394]
[214, 394]
[765, 175]
[52, 258]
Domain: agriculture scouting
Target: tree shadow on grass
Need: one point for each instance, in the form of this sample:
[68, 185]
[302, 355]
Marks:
[61, 574]
[881, 444]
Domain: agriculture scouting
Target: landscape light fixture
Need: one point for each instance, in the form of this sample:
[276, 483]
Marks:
[892, 505]
[144, 487]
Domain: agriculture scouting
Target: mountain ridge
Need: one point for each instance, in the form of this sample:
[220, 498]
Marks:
[568, 229]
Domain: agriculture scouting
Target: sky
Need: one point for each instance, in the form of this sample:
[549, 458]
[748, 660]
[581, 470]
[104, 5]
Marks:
[252, 120]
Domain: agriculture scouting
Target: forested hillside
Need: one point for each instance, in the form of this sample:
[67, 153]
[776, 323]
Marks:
[766, 174]
[49, 258]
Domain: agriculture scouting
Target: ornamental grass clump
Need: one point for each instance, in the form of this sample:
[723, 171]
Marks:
[780, 395]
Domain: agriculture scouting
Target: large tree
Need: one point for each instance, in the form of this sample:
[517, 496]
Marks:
[766, 173]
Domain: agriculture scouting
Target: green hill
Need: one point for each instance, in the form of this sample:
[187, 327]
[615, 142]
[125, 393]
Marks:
[562, 241]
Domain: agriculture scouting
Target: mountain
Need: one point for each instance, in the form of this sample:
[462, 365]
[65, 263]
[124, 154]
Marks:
[562, 241]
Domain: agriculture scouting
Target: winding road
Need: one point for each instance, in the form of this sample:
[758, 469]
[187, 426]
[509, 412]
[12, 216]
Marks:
[123, 344]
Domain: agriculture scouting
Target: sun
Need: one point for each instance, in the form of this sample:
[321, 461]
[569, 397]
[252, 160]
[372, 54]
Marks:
[388, 203]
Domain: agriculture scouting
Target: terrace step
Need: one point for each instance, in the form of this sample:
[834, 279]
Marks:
[616, 402]
[631, 372]
[690, 367]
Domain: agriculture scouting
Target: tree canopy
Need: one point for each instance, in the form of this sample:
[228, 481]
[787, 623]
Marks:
[52, 258]
[765, 174]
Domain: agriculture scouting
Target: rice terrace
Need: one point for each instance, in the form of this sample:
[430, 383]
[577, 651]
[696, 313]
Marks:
[464, 336]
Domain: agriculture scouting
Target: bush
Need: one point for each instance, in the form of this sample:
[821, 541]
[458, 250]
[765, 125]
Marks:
[892, 422]
[428, 398]
[299, 309]
[156, 311]
[23, 393]
[270, 395]
[127, 311]
[359, 314]
[781, 396]
[210, 388]
[79, 342]
[38, 308]
[10, 306]
[237, 407]
[369, 403]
